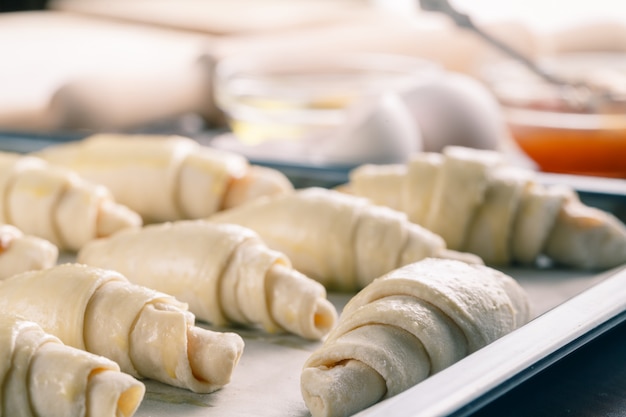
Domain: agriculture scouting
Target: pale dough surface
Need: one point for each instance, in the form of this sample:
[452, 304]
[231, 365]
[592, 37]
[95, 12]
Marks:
[224, 272]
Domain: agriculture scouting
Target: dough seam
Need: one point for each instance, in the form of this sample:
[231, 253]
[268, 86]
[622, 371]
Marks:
[219, 279]
[54, 210]
[450, 319]
[174, 179]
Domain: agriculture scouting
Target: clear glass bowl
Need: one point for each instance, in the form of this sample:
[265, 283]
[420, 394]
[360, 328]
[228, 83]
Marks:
[559, 128]
[287, 98]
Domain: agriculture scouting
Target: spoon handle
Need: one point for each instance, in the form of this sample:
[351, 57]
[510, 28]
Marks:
[464, 21]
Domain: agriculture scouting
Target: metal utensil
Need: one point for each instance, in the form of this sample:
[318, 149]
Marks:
[578, 95]
[463, 20]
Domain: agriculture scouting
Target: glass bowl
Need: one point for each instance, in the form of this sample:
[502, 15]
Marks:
[566, 130]
[272, 97]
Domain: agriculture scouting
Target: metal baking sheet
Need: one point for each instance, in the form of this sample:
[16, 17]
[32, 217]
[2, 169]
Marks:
[568, 305]
[571, 307]
[483, 376]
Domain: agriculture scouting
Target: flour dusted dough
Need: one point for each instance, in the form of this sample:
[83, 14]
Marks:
[535, 219]
[342, 241]
[42, 377]
[166, 178]
[586, 237]
[148, 333]
[20, 253]
[503, 214]
[57, 204]
[491, 230]
[459, 189]
[406, 326]
[422, 172]
[380, 182]
[223, 271]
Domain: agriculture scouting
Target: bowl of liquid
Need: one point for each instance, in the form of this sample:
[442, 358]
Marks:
[278, 97]
[577, 129]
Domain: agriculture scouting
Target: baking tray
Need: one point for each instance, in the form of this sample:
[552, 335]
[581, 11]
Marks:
[606, 193]
[571, 307]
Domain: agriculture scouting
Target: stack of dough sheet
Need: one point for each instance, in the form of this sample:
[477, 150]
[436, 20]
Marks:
[57, 204]
[147, 333]
[166, 178]
[404, 327]
[479, 204]
[181, 378]
[21, 253]
[265, 383]
[40, 377]
[224, 272]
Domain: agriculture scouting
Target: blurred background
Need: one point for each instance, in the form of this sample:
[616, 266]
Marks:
[322, 85]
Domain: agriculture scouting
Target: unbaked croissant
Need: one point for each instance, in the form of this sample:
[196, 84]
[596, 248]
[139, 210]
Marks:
[406, 326]
[57, 204]
[166, 178]
[42, 377]
[20, 253]
[148, 333]
[342, 241]
[478, 204]
[223, 271]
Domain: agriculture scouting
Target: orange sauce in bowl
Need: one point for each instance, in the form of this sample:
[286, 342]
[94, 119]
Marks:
[580, 144]
[578, 128]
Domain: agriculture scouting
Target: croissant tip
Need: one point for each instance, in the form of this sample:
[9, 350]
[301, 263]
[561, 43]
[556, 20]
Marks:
[114, 217]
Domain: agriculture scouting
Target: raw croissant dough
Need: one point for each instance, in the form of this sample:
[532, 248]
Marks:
[148, 333]
[20, 253]
[42, 377]
[223, 271]
[406, 326]
[342, 241]
[498, 212]
[166, 178]
[56, 204]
